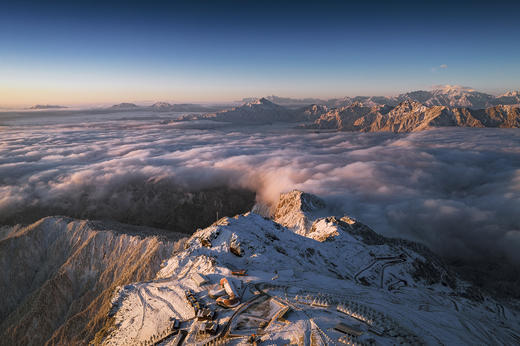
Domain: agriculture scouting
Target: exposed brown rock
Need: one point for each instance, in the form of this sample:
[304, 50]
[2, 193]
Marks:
[410, 116]
[59, 275]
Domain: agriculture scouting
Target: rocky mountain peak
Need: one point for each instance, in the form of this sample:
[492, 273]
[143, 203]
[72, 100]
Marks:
[514, 93]
[408, 105]
[450, 89]
[296, 210]
[390, 291]
[261, 101]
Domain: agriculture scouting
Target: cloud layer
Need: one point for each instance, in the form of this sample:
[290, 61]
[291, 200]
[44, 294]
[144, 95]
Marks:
[457, 190]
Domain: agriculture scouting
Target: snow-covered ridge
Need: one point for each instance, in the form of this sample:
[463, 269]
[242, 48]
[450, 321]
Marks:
[297, 288]
[442, 95]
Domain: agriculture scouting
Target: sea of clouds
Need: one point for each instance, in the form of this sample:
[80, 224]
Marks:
[457, 190]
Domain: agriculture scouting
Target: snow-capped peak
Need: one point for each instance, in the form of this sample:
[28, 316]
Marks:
[450, 89]
[513, 93]
[260, 101]
[294, 288]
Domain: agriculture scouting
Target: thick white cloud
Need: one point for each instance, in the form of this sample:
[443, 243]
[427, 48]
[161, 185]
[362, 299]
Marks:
[457, 190]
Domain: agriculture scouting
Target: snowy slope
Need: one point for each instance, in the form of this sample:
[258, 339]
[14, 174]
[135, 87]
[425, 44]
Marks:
[386, 290]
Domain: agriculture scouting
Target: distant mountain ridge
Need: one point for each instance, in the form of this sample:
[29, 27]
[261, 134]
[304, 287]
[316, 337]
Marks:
[405, 116]
[181, 107]
[410, 116]
[166, 107]
[125, 106]
[59, 273]
[447, 95]
[47, 107]
[258, 111]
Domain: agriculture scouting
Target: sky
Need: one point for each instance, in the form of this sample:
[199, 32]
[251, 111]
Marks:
[101, 52]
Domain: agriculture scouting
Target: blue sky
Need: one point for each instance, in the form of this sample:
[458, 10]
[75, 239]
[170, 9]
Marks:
[102, 52]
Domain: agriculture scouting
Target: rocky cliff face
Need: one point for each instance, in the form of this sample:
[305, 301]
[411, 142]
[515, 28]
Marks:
[297, 211]
[311, 113]
[58, 275]
[409, 116]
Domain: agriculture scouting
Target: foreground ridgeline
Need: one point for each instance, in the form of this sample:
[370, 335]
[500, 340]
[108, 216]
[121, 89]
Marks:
[300, 277]
[58, 276]
[303, 278]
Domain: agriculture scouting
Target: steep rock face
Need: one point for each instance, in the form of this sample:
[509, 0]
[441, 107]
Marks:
[354, 117]
[409, 116]
[339, 264]
[58, 275]
[297, 210]
[311, 113]
[499, 116]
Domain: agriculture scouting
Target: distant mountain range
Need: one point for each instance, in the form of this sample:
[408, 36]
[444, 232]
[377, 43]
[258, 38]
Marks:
[409, 116]
[448, 95]
[167, 107]
[406, 116]
[125, 106]
[47, 107]
[259, 111]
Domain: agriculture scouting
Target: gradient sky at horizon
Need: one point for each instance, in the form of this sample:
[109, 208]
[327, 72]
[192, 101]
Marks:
[93, 52]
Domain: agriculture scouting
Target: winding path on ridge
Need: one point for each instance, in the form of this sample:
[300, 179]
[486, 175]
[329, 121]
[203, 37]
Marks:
[399, 258]
[170, 306]
[144, 304]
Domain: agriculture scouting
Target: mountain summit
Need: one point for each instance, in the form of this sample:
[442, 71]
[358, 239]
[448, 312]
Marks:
[339, 283]
[259, 111]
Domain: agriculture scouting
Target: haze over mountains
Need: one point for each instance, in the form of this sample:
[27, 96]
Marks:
[447, 95]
